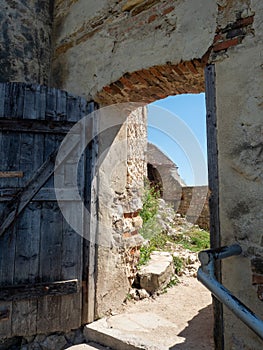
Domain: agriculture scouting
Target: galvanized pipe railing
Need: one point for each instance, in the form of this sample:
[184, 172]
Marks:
[206, 275]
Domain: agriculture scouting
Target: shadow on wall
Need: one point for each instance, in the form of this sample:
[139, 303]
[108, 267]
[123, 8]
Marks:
[199, 333]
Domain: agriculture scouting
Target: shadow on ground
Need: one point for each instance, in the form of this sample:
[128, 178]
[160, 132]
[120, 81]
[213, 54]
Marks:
[199, 333]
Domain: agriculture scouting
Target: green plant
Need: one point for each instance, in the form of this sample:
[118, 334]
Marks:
[173, 282]
[178, 264]
[195, 240]
[150, 202]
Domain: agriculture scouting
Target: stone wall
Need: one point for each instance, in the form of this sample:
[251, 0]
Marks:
[25, 40]
[191, 202]
[197, 198]
[121, 179]
[170, 182]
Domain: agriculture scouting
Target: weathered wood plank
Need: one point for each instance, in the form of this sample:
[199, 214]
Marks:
[4, 314]
[61, 105]
[35, 126]
[50, 250]
[24, 312]
[50, 104]
[7, 253]
[48, 314]
[6, 320]
[89, 243]
[23, 198]
[2, 99]
[70, 312]
[10, 174]
[39, 290]
[9, 160]
[50, 265]
[213, 181]
[10, 152]
[40, 177]
[40, 102]
[44, 194]
[29, 102]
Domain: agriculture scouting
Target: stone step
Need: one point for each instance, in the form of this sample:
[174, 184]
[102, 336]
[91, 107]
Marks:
[133, 332]
[157, 273]
[89, 346]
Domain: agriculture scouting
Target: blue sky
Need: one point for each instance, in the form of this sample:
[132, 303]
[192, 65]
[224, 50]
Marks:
[183, 117]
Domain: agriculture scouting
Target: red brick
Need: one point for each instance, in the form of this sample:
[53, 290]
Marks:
[226, 44]
[168, 10]
[107, 89]
[152, 18]
[191, 67]
[126, 82]
[257, 279]
[183, 67]
[130, 215]
[218, 37]
[245, 21]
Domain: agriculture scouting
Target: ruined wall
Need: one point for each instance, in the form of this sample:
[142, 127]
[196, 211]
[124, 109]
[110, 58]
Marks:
[200, 203]
[121, 174]
[25, 40]
[170, 181]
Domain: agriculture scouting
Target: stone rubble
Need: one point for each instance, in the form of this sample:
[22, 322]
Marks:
[149, 280]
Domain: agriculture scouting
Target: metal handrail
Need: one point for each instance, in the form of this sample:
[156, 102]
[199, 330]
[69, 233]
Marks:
[206, 275]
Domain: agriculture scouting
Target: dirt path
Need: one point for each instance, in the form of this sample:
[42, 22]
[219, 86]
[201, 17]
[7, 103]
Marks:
[188, 306]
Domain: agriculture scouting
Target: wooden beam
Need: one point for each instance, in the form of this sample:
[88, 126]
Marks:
[35, 126]
[27, 292]
[213, 181]
[4, 314]
[10, 174]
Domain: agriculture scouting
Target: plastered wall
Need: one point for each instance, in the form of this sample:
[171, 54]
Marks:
[239, 88]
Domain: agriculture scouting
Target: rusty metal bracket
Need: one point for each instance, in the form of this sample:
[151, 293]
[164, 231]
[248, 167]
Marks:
[206, 275]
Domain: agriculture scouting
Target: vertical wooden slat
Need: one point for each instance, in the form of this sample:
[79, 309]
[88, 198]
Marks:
[50, 242]
[29, 111]
[26, 269]
[50, 266]
[7, 253]
[9, 150]
[70, 313]
[89, 243]
[72, 241]
[213, 180]
[2, 99]
[24, 313]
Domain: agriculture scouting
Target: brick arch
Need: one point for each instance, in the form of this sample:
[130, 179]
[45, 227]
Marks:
[154, 83]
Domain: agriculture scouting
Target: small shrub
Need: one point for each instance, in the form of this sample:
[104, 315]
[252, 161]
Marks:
[178, 264]
[195, 240]
[150, 202]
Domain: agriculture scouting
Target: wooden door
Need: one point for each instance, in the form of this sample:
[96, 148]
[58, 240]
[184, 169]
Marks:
[42, 259]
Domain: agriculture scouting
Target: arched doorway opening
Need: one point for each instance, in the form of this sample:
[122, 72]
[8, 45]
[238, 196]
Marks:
[146, 86]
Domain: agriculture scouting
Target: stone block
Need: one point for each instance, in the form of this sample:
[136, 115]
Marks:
[157, 273]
